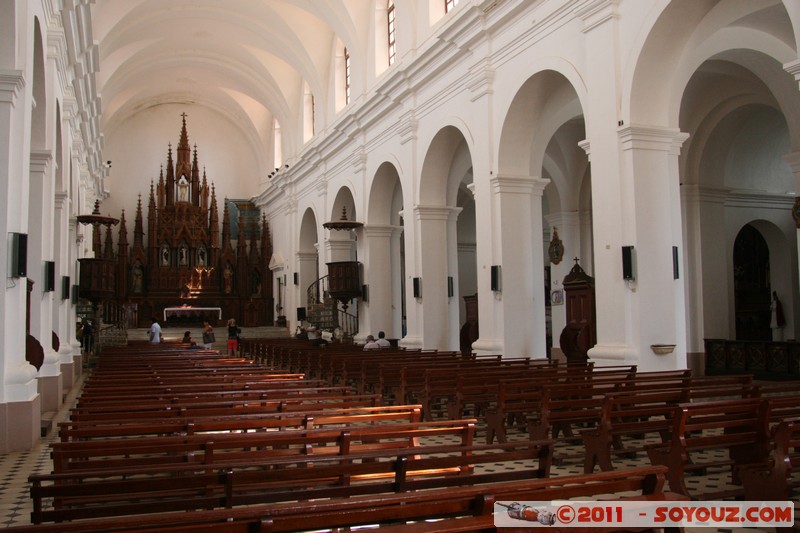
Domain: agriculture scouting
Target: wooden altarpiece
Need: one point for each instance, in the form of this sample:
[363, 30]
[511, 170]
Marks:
[183, 261]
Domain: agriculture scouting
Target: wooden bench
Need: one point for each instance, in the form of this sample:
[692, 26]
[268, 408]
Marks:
[147, 490]
[305, 419]
[467, 501]
[440, 385]
[208, 449]
[234, 408]
[519, 397]
[628, 418]
[738, 427]
[776, 478]
[131, 407]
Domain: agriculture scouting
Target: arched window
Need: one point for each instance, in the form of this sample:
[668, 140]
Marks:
[346, 76]
[308, 113]
[277, 141]
[391, 27]
[449, 4]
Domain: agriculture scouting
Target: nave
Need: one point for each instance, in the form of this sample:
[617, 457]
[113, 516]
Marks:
[17, 506]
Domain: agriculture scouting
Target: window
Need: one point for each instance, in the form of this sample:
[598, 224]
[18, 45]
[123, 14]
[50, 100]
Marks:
[391, 22]
[449, 5]
[277, 143]
[308, 113]
[346, 76]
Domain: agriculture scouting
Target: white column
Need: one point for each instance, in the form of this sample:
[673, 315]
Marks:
[612, 202]
[378, 276]
[398, 295]
[428, 314]
[518, 201]
[20, 409]
[793, 160]
[658, 314]
[586, 251]
[308, 274]
[76, 243]
[568, 226]
[339, 249]
[61, 306]
[40, 249]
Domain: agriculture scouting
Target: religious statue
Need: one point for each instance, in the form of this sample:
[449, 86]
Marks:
[227, 279]
[778, 319]
[183, 190]
[136, 278]
[165, 255]
[182, 252]
[201, 257]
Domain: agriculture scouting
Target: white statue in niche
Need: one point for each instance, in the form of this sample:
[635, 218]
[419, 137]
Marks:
[183, 189]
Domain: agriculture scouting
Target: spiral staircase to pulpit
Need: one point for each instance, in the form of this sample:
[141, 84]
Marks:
[329, 299]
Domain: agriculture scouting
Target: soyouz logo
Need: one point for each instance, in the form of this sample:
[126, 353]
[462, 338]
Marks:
[632, 513]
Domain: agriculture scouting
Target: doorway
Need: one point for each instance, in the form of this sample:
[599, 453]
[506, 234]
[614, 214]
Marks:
[751, 279]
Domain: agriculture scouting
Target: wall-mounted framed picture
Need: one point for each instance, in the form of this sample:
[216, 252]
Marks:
[557, 297]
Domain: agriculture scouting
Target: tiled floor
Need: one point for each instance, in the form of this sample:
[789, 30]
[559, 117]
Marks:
[15, 504]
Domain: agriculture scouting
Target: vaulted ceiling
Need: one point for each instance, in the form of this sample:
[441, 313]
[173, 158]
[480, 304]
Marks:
[247, 59]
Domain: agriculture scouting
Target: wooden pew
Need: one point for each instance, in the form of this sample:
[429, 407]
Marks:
[739, 427]
[149, 400]
[451, 502]
[775, 478]
[628, 418]
[305, 419]
[235, 408]
[564, 405]
[386, 471]
[208, 449]
[440, 385]
[516, 398]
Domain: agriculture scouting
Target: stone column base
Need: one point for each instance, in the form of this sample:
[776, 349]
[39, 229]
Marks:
[20, 425]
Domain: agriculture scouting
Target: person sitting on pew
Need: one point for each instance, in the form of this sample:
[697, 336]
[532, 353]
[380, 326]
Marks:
[187, 339]
[315, 336]
[382, 341]
[371, 344]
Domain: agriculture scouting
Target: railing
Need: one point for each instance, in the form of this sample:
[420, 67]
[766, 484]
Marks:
[348, 322]
[113, 330]
[317, 295]
[316, 291]
[764, 359]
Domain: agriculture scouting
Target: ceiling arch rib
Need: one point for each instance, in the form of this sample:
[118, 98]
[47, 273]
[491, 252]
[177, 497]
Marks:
[194, 77]
[277, 46]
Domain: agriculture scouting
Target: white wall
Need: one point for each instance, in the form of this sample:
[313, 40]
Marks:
[138, 149]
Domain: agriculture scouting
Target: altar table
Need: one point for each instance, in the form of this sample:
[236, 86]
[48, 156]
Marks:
[190, 312]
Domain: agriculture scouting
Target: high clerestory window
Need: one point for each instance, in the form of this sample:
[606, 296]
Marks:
[346, 76]
[391, 22]
[449, 4]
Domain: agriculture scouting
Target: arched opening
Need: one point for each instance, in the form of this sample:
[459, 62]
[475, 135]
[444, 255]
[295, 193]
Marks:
[307, 262]
[384, 303]
[751, 285]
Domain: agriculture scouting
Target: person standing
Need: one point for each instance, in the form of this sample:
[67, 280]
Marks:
[233, 337]
[155, 331]
[88, 336]
[208, 335]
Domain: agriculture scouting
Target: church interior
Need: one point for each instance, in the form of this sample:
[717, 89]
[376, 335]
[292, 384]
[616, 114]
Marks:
[603, 183]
